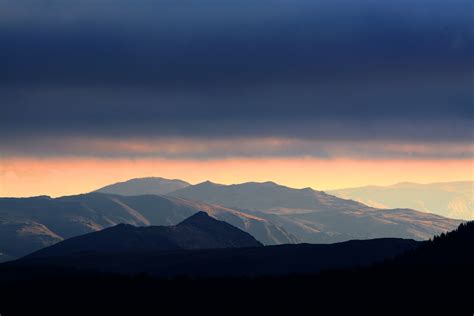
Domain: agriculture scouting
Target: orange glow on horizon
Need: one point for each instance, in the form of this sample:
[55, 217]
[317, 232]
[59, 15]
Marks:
[22, 177]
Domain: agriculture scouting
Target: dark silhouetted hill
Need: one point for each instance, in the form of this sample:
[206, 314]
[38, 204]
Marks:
[453, 248]
[117, 250]
[200, 231]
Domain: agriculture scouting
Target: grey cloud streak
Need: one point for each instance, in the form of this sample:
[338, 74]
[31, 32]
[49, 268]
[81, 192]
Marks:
[208, 149]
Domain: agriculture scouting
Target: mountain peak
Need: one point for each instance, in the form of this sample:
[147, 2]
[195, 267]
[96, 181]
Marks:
[208, 183]
[197, 218]
[122, 226]
[141, 186]
[270, 184]
[228, 234]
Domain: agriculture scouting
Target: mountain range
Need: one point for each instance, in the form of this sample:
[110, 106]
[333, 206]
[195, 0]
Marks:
[316, 217]
[29, 224]
[272, 213]
[449, 199]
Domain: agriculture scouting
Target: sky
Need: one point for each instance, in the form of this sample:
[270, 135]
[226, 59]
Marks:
[325, 94]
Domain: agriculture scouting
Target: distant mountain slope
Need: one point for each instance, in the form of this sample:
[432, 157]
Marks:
[142, 186]
[21, 236]
[257, 261]
[450, 199]
[29, 224]
[200, 231]
[263, 196]
[317, 217]
[329, 225]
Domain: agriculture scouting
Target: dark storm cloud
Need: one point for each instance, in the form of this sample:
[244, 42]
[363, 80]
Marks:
[191, 43]
[307, 69]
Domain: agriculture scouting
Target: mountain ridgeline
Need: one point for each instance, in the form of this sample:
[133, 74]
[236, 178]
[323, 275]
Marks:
[267, 196]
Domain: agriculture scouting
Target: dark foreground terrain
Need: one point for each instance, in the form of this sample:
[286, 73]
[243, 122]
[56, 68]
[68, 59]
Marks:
[436, 278]
[423, 290]
[282, 260]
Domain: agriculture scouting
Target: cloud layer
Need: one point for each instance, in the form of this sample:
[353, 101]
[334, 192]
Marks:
[315, 71]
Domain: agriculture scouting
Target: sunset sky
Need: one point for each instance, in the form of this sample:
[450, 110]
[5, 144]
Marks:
[326, 94]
